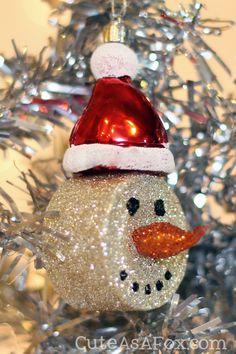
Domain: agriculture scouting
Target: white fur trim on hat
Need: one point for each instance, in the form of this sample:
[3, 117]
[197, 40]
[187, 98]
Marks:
[114, 59]
[80, 158]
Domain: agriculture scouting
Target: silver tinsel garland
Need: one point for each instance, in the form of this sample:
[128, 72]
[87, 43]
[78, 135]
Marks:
[46, 91]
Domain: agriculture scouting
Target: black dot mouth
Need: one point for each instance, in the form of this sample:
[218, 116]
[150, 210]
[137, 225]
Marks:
[135, 286]
[123, 275]
[159, 285]
[168, 275]
[147, 289]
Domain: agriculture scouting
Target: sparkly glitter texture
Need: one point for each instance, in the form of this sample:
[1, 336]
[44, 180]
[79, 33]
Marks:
[98, 228]
[163, 240]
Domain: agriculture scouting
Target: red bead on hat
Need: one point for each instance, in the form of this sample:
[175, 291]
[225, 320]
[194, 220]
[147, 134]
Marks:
[119, 129]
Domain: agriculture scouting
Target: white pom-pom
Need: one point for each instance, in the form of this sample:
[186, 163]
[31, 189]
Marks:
[114, 59]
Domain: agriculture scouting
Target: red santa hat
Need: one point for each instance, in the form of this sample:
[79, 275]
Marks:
[119, 129]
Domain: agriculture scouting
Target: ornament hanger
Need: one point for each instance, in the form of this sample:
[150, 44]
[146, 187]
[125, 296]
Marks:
[118, 11]
[116, 31]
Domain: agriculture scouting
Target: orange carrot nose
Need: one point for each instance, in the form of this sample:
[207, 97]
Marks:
[163, 240]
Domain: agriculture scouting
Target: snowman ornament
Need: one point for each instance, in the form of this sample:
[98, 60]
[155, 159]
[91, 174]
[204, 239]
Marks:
[125, 237]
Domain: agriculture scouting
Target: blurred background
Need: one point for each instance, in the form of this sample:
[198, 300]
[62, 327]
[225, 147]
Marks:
[26, 21]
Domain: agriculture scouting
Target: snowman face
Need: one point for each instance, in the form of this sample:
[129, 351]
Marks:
[144, 282]
[101, 267]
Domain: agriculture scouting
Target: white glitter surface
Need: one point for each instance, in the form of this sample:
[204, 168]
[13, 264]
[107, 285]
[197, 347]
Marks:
[114, 59]
[98, 245]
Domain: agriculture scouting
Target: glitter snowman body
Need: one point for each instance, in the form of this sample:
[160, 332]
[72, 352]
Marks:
[96, 265]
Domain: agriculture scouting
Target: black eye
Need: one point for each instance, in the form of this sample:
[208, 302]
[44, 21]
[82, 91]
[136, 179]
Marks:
[159, 207]
[132, 206]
